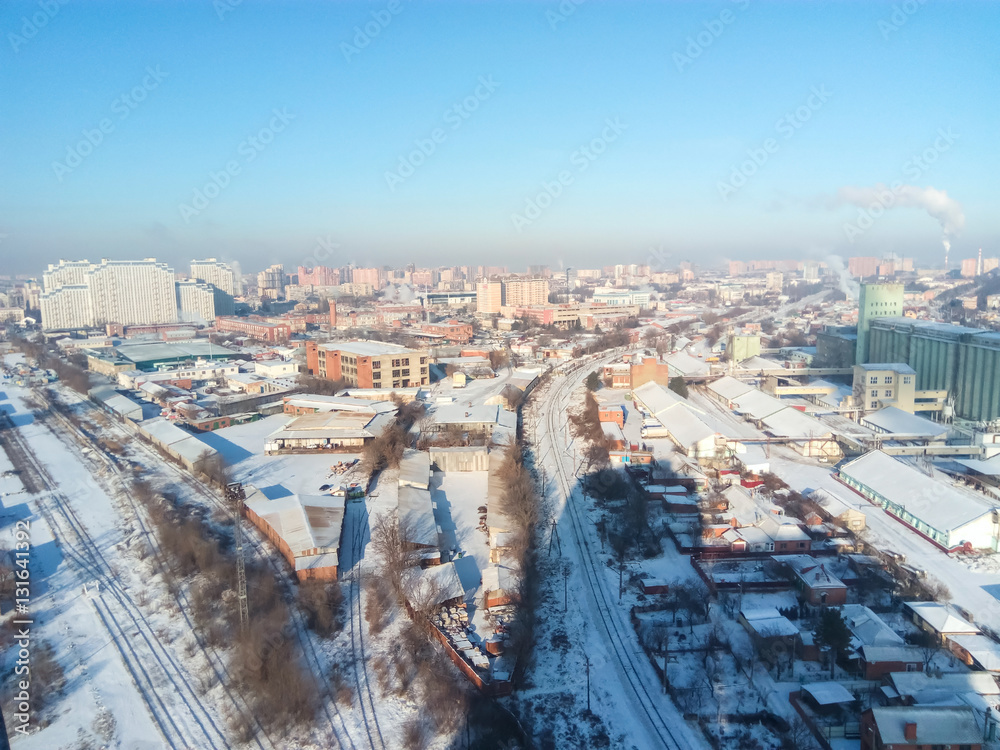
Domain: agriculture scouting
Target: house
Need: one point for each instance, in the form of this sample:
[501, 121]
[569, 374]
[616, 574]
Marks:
[333, 431]
[767, 625]
[417, 527]
[943, 620]
[500, 585]
[918, 727]
[818, 585]
[614, 436]
[786, 534]
[838, 509]
[949, 689]
[977, 651]
[875, 662]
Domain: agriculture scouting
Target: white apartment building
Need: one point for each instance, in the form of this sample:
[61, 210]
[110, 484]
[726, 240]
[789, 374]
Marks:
[130, 292]
[196, 301]
[612, 296]
[218, 274]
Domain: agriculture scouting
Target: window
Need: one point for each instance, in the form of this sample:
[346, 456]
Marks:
[887, 379]
[395, 373]
[874, 393]
[873, 380]
[888, 394]
[912, 667]
[423, 360]
[907, 380]
[376, 364]
[406, 371]
[874, 405]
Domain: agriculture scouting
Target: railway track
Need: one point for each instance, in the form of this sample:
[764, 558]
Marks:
[357, 635]
[251, 538]
[216, 663]
[630, 662]
[185, 723]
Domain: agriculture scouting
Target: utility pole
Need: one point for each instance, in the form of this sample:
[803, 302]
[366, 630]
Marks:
[236, 496]
[587, 663]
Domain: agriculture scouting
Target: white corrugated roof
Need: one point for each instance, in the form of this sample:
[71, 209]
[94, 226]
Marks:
[729, 387]
[899, 422]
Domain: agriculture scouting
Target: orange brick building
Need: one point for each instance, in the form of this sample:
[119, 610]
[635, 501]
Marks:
[649, 369]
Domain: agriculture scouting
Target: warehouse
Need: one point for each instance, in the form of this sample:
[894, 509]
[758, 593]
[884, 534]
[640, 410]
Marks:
[305, 528]
[328, 432]
[949, 516]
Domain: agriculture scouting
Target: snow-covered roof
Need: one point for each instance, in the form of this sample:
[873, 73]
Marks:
[944, 618]
[768, 623]
[983, 649]
[500, 578]
[757, 404]
[416, 516]
[990, 467]
[868, 628]
[759, 363]
[790, 422]
[729, 387]
[890, 653]
[334, 425]
[935, 725]
[949, 683]
[415, 469]
[683, 363]
[898, 422]
[833, 503]
[304, 522]
[937, 503]
[437, 584]
[828, 693]
[338, 403]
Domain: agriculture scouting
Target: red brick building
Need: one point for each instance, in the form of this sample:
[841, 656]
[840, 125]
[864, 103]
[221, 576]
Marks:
[368, 364]
[649, 369]
[920, 728]
[612, 413]
[272, 333]
[452, 330]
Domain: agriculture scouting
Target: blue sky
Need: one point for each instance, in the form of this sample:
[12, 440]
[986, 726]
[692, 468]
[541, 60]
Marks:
[689, 108]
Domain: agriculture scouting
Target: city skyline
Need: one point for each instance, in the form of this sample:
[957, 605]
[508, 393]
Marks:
[655, 135]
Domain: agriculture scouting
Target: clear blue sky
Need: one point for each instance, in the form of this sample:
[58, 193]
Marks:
[559, 80]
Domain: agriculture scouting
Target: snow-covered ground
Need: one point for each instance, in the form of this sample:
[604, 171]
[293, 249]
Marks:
[625, 694]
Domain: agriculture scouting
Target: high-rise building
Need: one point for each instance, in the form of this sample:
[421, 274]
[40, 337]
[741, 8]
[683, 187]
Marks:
[876, 301]
[319, 276]
[216, 273]
[129, 292]
[521, 292]
[489, 297]
[861, 267]
[202, 302]
[271, 282]
[370, 276]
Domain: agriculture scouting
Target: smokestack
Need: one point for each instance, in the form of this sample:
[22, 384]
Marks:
[910, 730]
[947, 249]
[979, 263]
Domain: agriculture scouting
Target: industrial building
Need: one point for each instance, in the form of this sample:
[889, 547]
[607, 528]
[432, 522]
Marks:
[963, 362]
[876, 301]
[305, 528]
[368, 364]
[951, 517]
[328, 432]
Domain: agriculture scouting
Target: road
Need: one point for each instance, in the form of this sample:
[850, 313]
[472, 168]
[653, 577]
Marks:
[654, 721]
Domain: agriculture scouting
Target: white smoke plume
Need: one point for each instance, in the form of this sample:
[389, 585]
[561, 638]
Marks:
[847, 284]
[936, 203]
